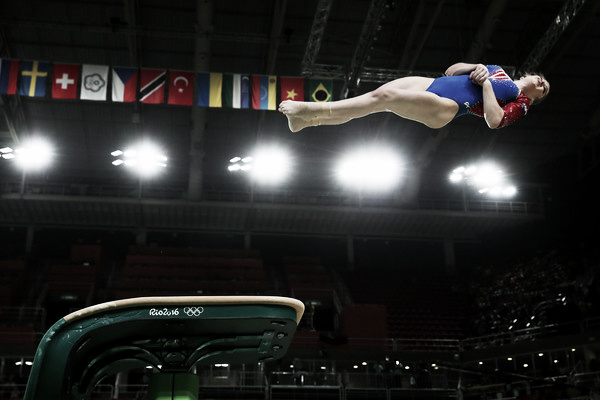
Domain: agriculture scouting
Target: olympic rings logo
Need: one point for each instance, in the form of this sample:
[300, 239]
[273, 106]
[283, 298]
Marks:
[193, 311]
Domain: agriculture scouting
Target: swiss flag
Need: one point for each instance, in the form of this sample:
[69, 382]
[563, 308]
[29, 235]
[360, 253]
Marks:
[65, 78]
[181, 88]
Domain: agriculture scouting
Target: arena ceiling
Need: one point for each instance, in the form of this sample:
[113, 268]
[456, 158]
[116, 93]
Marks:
[357, 43]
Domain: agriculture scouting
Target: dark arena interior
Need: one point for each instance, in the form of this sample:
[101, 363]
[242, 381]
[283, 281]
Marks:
[422, 288]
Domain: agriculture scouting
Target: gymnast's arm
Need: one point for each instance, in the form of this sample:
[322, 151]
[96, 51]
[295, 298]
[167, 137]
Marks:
[460, 69]
[492, 112]
[477, 72]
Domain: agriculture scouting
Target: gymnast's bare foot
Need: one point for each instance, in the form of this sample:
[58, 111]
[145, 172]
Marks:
[297, 109]
[297, 124]
[298, 114]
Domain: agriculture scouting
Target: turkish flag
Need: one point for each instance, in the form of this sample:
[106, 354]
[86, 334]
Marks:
[65, 78]
[181, 88]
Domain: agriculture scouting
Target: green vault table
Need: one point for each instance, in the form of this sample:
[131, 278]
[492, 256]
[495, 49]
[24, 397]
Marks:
[170, 334]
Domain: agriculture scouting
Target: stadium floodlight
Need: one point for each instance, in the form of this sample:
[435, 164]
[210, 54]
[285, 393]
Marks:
[272, 165]
[33, 154]
[146, 159]
[485, 178]
[269, 165]
[369, 169]
[7, 153]
[240, 164]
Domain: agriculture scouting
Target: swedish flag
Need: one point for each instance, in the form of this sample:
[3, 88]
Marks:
[33, 78]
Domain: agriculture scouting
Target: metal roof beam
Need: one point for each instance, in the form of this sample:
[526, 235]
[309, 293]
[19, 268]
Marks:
[562, 21]
[276, 27]
[361, 53]
[376, 75]
[204, 14]
[131, 8]
[316, 36]
[486, 30]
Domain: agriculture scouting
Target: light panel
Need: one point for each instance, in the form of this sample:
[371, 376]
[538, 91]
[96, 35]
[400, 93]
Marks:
[33, 154]
[269, 165]
[486, 178]
[369, 169]
[146, 159]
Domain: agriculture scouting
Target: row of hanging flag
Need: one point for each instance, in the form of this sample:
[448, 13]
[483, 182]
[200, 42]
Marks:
[157, 86]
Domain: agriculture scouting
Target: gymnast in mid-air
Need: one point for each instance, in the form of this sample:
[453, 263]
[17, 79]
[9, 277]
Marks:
[485, 91]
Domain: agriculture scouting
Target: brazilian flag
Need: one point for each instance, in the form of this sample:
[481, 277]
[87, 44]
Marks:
[320, 90]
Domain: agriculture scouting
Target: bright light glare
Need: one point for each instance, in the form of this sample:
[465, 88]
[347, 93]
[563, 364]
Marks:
[495, 191]
[34, 154]
[455, 177]
[509, 191]
[270, 165]
[369, 169]
[240, 164]
[487, 175]
[486, 178]
[146, 159]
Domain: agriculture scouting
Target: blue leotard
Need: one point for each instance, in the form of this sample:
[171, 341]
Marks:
[469, 96]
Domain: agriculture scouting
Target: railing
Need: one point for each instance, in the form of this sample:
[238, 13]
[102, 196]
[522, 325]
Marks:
[12, 391]
[221, 377]
[304, 378]
[213, 384]
[305, 385]
[292, 391]
[307, 198]
[387, 344]
[34, 316]
[529, 334]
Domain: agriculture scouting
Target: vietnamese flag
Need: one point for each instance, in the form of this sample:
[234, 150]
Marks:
[292, 88]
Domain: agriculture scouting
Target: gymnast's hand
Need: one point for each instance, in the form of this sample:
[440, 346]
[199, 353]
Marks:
[479, 75]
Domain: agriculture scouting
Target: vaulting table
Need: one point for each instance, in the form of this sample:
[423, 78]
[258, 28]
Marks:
[170, 334]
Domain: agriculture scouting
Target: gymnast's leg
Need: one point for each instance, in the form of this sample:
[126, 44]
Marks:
[406, 97]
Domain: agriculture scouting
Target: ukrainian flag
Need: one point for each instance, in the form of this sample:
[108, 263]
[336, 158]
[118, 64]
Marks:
[210, 86]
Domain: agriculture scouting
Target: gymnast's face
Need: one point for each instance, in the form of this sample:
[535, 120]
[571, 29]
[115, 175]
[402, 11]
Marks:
[535, 87]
